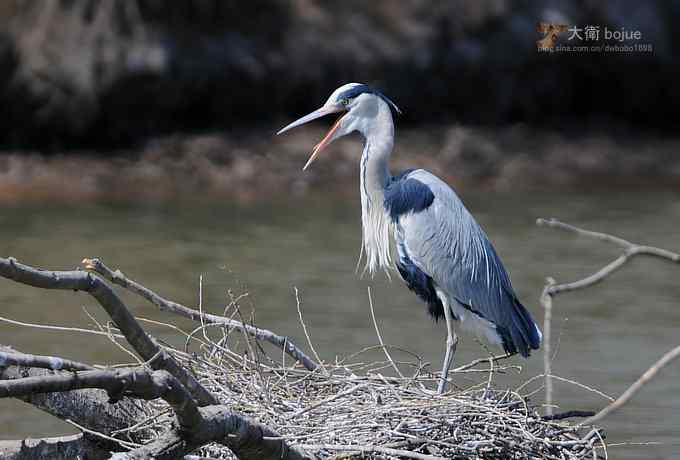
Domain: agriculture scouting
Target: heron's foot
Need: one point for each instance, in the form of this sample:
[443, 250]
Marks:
[442, 385]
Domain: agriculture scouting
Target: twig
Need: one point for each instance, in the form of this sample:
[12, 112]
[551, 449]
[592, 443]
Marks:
[630, 250]
[377, 332]
[50, 327]
[666, 359]
[366, 449]
[573, 382]
[114, 306]
[126, 444]
[551, 289]
[304, 329]
[546, 302]
[331, 399]
[482, 361]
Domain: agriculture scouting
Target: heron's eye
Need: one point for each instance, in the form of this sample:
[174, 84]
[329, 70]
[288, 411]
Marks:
[344, 101]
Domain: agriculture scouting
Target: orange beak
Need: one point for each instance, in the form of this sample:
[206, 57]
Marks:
[324, 142]
[328, 138]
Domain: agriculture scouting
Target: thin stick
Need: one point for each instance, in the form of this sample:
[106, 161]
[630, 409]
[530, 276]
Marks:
[125, 444]
[377, 331]
[367, 449]
[117, 277]
[304, 329]
[630, 250]
[666, 359]
[331, 399]
[476, 362]
[563, 379]
[546, 302]
[56, 328]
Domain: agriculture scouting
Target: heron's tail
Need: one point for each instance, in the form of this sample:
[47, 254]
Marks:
[523, 335]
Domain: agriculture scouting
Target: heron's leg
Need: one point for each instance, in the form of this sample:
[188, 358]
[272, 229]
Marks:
[451, 342]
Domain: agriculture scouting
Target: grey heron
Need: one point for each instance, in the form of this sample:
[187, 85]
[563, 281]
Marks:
[442, 253]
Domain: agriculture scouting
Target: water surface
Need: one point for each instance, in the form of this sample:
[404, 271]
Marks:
[605, 336]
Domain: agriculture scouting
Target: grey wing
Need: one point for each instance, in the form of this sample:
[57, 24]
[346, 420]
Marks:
[447, 244]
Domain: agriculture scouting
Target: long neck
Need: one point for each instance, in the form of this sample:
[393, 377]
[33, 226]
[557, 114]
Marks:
[379, 135]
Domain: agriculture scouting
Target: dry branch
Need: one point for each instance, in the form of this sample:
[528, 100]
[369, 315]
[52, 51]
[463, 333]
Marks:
[196, 425]
[626, 396]
[43, 362]
[629, 250]
[551, 289]
[134, 333]
[136, 383]
[89, 408]
[284, 343]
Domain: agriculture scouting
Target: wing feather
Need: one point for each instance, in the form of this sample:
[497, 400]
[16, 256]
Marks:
[446, 243]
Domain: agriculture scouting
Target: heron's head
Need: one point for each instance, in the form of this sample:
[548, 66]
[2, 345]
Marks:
[357, 105]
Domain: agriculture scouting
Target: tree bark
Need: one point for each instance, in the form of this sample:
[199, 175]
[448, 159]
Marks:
[75, 446]
[89, 408]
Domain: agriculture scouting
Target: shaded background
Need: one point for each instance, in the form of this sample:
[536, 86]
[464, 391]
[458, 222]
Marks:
[191, 92]
[107, 73]
[141, 131]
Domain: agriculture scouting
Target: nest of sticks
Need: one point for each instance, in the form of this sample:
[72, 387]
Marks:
[351, 409]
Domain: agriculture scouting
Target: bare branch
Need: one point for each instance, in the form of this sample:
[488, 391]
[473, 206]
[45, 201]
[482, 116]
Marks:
[247, 439]
[666, 359]
[134, 333]
[88, 407]
[137, 383]
[546, 302]
[44, 362]
[630, 250]
[284, 343]
[304, 329]
[551, 289]
[478, 361]
[554, 223]
[377, 332]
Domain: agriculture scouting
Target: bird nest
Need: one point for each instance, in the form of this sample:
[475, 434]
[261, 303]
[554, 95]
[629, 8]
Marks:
[353, 409]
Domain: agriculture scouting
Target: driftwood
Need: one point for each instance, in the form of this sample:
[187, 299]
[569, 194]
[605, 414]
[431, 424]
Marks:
[220, 402]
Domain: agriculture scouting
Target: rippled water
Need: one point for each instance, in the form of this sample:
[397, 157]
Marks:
[605, 336]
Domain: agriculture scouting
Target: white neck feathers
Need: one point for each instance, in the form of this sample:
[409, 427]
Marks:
[374, 170]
